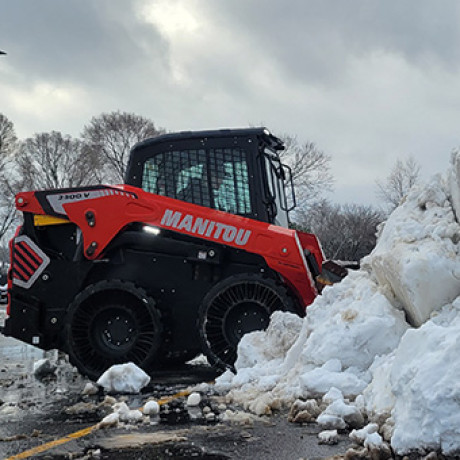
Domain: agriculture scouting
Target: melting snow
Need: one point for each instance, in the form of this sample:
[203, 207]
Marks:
[386, 338]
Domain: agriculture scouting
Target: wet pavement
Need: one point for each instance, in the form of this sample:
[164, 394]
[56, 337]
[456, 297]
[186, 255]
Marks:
[43, 412]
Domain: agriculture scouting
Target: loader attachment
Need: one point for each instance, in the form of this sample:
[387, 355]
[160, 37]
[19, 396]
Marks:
[331, 273]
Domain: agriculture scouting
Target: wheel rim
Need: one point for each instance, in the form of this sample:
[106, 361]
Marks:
[114, 330]
[105, 331]
[241, 308]
[242, 319]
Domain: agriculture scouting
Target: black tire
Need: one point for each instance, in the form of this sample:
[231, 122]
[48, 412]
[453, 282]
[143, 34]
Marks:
[235, 306]
[112, 322]
[178, 359]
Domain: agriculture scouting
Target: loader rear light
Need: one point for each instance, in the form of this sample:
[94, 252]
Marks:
[28, 262]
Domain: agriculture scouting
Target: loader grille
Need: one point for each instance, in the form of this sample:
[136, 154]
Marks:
[29, 261]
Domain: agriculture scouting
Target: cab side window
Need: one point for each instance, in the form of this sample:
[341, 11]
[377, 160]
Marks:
[218, 179]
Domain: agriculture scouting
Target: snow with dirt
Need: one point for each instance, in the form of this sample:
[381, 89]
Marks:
[385, 342]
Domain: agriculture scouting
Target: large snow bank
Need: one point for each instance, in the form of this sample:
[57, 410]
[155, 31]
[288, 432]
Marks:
[355, 336]
[425, 381]
[416, 258]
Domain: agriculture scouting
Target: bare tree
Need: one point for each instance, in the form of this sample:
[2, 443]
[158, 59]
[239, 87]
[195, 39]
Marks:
[8, 144]
[346, 232]
[8, 137]
[112, 135]
[52, 160]
[395, 187]
[310, 169]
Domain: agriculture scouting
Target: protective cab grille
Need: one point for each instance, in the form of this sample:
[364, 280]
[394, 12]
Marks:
[29, 261]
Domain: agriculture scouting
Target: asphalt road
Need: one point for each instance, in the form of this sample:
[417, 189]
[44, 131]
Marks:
[43, 413]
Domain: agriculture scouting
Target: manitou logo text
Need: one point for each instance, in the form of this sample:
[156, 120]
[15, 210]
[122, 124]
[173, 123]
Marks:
[205, 227]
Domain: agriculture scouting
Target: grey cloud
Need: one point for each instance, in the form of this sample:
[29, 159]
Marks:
[75, 39]
[313, 40]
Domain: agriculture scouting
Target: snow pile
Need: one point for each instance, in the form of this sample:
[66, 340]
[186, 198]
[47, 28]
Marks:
[343, 332]
[386, 338]
[123, 378]
[416, 258]
[422, 386]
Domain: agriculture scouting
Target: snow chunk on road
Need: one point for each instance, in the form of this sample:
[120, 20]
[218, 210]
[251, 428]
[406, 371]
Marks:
[193, 399]
[123, 378]
[109, 421]
[151, 408]
[126, 414]
[350, 413]
[328, 437]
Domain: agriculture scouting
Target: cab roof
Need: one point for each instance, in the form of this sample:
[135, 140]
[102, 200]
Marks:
[262, 133]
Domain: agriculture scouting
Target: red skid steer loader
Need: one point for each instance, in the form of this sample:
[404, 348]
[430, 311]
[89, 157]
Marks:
[190, 254]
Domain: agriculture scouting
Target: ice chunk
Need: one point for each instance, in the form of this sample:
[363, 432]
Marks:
[124, 378]
[109, 420]
[193, 399]
[331, 421]
[328, 437]
[151, 408]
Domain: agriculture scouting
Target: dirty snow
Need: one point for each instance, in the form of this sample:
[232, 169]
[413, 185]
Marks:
[383, 343]
[43, 368]
[90, 389]
[123, 378]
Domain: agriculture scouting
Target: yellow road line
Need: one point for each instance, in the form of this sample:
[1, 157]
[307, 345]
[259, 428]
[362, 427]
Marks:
[82, 433]
[167, 399]
[51, 444]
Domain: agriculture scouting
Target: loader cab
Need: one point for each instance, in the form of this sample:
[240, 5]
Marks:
[236, 171]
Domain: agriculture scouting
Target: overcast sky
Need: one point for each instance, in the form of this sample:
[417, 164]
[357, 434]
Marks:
[368, 81]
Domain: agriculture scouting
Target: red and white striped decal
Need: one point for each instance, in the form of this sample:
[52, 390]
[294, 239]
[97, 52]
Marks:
[28, 260]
